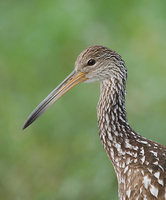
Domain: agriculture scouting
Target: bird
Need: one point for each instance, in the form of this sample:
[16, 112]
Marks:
[139, 163]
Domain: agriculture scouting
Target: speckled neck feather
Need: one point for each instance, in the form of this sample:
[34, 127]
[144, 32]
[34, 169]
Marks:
[139, 163]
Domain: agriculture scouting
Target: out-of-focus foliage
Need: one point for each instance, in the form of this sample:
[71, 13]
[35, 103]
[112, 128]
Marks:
[60, 156]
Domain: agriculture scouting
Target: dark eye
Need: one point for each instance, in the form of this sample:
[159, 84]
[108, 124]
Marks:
[91, 62]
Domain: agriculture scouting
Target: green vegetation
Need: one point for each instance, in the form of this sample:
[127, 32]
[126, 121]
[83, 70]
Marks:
[60, 156]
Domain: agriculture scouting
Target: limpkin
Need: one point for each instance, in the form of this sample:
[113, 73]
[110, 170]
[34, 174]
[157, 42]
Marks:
[139, 163]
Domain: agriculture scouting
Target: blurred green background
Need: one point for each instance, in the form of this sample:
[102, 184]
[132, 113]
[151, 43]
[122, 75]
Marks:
[60, 156]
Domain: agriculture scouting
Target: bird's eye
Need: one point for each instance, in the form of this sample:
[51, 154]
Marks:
[91, 62]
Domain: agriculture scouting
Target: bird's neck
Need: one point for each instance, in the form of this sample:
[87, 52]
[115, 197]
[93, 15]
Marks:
[114, 129]
[111, 106]
[126, 149]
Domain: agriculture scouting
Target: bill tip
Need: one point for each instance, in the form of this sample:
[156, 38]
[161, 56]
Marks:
[25, 126]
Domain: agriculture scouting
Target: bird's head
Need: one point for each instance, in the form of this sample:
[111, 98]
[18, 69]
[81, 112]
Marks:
[99, 63]
[96, 63]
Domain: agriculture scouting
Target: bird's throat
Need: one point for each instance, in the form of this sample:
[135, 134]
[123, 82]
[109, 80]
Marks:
[113, 125]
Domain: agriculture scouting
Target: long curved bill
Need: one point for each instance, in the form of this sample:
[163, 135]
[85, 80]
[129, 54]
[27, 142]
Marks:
[72, 80]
